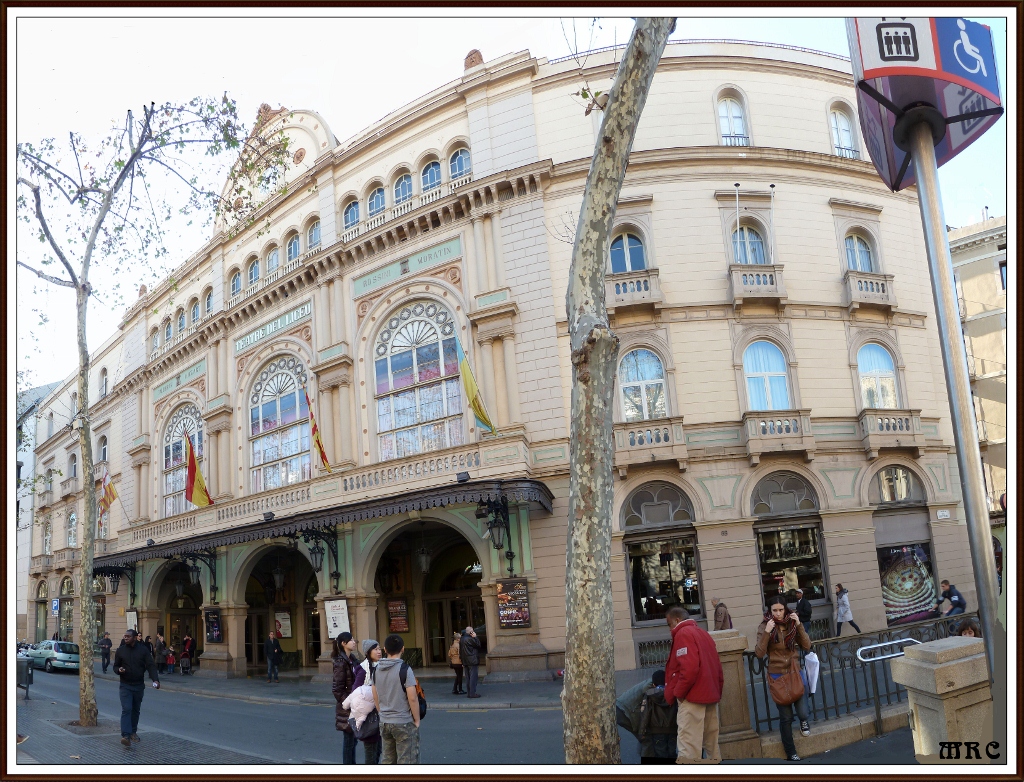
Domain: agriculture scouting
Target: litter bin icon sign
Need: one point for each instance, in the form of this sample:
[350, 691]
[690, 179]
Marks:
[897, 42]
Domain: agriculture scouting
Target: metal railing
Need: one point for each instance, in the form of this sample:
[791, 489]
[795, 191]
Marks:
[847, 152]
[846, 681]
[736, 140]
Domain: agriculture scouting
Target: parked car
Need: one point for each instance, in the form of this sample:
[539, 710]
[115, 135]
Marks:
[54, 655]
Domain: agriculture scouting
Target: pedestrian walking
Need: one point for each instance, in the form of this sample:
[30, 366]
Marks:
[469, 653]
[957, 604]
[273, 652]
[394, 695]
[778, 637]
[372, 745]
[105, 645]
[455, 660]
[723, 621]
[160, 653]
[843, 612]
[132, 661]
[803, 608]
[56, 636]
[694, 679]
[970, 628]
[344, 682]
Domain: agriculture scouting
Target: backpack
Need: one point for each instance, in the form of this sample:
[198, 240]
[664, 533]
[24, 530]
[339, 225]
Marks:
[402, 677]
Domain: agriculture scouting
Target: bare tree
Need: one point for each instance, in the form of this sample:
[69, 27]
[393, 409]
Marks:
[88, 204]
[588, 696]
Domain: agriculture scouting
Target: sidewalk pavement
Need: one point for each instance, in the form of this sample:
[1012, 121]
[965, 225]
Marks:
[296, 689]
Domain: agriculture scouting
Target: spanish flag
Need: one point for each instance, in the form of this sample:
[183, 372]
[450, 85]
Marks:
[476, 399]
[316, 432]
[195, 486]
[109, 493]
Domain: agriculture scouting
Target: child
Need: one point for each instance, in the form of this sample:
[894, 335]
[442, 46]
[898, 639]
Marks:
[170, 660]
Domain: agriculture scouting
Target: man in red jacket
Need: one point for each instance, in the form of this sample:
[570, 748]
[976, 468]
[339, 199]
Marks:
[693, 677]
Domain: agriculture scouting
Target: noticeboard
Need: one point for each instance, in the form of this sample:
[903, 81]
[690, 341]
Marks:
[337, 617]
[513, 603]
[214, 634]
[398, 616]
[947, 63]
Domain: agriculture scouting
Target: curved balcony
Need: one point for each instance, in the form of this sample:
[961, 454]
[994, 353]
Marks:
[649, 442]
[778, 432]
[757, 284]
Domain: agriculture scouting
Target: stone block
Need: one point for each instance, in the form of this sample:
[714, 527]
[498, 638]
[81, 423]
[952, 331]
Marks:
[946, 650]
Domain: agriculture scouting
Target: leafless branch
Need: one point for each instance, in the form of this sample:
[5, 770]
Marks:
[47, 277]
[46, 228]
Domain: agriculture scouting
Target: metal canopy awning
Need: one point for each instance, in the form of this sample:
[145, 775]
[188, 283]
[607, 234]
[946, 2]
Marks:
[535, 493]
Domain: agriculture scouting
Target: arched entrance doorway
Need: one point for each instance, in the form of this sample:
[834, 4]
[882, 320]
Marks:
[281, 595]
[180, 600]
[429, 582]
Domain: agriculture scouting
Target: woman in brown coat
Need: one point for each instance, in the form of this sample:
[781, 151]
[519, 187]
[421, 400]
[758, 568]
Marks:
[456, 663]
[778, 637]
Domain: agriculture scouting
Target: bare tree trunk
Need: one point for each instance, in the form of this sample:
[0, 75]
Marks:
[87, 711]
[588, 697]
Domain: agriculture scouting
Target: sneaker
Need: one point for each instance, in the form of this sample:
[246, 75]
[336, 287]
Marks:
[794, 757]
[805, 728]
[474, 696]
[126, 741]
[135, 738]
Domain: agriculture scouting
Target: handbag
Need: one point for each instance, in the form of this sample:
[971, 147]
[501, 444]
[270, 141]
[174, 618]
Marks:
[369, 726]
[788, 687]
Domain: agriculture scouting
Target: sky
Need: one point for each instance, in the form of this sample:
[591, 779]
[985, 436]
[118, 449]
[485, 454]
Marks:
[352, 70]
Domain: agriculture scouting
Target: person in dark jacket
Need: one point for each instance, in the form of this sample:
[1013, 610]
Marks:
[803, 608]
[469, 653]
[658, 727]
[344, 683]
[132, 661]
[105, 645]
[957, 604]
[273, 652]
[695, 679]
[372, 745]
[160, 653]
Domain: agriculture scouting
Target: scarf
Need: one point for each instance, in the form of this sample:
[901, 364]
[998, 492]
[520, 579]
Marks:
[790, 636]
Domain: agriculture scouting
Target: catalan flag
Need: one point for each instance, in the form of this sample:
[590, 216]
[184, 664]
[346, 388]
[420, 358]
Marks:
[195, 486]
[316, 432]
[476, 399]
[109, 493]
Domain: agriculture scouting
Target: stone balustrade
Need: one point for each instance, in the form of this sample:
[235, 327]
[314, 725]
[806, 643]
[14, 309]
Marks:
[866, 289]
[632, 289]
[778, 431]
[891, 429]
[645, 442]
[757, 283]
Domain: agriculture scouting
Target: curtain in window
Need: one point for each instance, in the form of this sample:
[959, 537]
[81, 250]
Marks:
[858, 254]
[877, 377]
[765, 370]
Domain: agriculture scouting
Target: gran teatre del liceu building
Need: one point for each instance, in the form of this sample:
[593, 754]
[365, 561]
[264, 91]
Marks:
[780, 413]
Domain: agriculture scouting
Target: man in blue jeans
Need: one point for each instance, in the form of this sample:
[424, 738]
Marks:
[131, 662]
[957, 604]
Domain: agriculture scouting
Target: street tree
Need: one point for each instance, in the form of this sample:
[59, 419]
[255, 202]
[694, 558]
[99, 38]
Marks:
[111, 203]
[588, 696]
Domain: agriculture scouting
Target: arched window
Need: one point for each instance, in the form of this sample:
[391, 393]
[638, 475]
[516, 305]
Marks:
[627, 254]
[168, 332]
[103, 382]
[102, 522]
[419, 398]
[748, 246]
[351, 215]
[273, 260]
[103, 449]
[49, 425]
[236, 283]
[49, 480]
[403, 189]
[782, 492]
[375, 203]
[460, 164]
[732, 124]
[842, 134]
[67, 587]
[877, 377]
[431, 176]
[72, 530]
[642, 380]
[254, 272]
[47, 538]
[764, 368]
[313, 236]
[279, 426]
[896, 484]
[209, 302]
[293, 248]
[858, 254]
[155, 339]
[181, 321]
[185, 422]
[43, 591]
[194, 311]
[72, 466]
[656, 503]
[74, 403]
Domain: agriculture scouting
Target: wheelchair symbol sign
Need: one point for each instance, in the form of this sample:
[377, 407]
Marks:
[969, 51]
[967, 55]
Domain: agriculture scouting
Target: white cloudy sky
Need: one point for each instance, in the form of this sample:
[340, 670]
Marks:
[84, 73]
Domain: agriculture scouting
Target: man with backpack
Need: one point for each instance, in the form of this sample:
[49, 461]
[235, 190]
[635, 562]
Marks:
[397, 696]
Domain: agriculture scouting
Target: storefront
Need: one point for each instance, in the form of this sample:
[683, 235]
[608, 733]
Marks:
[66, 612]
[42, 611]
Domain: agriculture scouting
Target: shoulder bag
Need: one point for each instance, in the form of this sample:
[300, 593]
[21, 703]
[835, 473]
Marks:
[787, 688]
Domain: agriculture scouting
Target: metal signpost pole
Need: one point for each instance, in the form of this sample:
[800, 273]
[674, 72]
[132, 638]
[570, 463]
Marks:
[961, 403]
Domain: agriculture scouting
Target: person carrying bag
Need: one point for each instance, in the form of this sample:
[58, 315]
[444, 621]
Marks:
[778, 637]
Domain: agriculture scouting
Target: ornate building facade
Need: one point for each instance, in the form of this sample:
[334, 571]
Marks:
[781, 419]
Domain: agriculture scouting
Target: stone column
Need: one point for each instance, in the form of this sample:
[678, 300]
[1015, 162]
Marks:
[226, 659]
[149, 618]
[146, 489]
[735, 736]
[345, 423]
[138, 490]
[508, 343]
[225, 359]
[486, 376]
[500, 381]
[483, 274]
[212, 372]
[949, 694]
[338, 308]
[211, 465]
[224, 462]
[497, 257]
[325, 419]
[144, 412]
[140, 401]
[323, 316]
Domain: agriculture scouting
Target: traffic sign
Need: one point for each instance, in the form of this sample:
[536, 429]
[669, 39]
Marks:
[947, 64]
[55, 607]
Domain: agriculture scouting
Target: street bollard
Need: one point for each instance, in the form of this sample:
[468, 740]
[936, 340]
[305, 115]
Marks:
[24, 674]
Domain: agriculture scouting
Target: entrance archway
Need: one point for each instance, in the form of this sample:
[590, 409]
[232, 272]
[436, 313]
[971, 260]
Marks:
[428, 579]
[281, 598]
[180, 602]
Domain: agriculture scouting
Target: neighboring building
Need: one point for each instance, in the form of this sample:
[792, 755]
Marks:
[979, 266]
[780, 415]
[24, 507]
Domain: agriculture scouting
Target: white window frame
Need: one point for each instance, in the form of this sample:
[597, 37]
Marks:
[209, 302]
[765, 378]
[313, 236]
[837, 117]
[644, 386]
[253, 272]
[289, 370]
[427, 187]
[876, 377]
[236, 283]
[403, 183]
[293, 248]
[859, 240]
[350, 215]
[375, 205]
[624, 236]
[748, 246]
[732, 138]
[459, 154]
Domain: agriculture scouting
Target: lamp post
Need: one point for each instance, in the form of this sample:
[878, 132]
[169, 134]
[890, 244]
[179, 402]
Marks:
[499, 527]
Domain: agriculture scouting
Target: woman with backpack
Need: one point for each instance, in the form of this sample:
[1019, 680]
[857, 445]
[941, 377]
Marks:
[778, 637]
